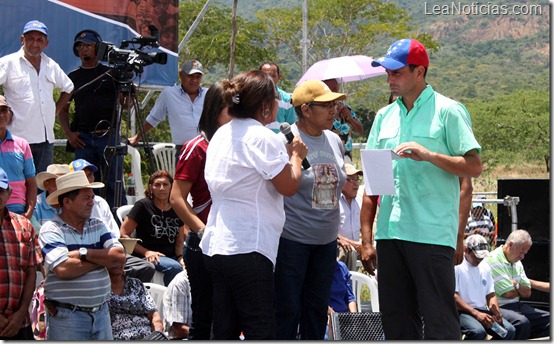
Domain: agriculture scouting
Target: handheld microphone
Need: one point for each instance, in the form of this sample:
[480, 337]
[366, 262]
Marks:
[285, 129]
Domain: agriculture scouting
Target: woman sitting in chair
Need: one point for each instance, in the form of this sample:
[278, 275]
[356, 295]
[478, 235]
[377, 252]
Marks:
[158, 226]
[133, 312]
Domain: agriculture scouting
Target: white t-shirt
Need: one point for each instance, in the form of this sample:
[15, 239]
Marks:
[247, 213]
[474, 283]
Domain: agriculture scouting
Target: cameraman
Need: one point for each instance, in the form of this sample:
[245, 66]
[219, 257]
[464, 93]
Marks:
[92, 128]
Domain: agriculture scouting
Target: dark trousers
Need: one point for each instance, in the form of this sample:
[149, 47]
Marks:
[529, 322]
[243, 296]
[25, 333]
[303, 277]
[139, 268]
[201, 289]
[94, 152]
[43, 155]
[416, 291]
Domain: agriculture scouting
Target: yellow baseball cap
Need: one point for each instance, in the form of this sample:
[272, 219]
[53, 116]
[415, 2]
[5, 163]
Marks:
[314, 91]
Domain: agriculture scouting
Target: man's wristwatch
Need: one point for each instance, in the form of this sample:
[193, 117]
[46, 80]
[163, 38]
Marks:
[83, 252]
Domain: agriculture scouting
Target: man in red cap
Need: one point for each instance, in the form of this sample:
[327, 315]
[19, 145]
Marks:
[417, 228]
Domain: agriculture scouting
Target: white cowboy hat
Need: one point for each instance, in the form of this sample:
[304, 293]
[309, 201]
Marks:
[52, 171]
[69, 182]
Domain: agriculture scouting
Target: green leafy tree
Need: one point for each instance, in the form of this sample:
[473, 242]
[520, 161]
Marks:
[210, 42]
[513, 128]
[338, 28]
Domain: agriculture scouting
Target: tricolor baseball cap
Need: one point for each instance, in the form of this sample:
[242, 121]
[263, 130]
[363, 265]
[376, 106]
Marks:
[402, 53]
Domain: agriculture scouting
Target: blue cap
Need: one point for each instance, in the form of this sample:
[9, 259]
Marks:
[81, 164]
[3, 179]
[402, 53]
[88, 37]
[35, 25]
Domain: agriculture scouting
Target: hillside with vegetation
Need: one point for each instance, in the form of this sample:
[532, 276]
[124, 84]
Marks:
[498, 66]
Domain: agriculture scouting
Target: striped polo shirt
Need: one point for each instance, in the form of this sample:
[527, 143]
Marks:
[56, 239]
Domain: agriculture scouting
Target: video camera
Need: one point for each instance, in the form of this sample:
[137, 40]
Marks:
[127, 61]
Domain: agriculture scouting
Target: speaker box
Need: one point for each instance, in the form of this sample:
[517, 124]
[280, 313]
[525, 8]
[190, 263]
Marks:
[533, 214]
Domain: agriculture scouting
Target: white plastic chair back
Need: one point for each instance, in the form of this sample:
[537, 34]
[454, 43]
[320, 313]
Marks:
[157, 292]
[164, 156]
[137, 172]
[122, 212]
[358, 279]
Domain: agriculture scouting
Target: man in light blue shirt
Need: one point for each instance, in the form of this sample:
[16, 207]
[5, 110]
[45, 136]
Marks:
[286, 110]
[417, 228]
[181, 104]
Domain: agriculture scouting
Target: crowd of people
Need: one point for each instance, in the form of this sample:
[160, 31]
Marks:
[275, 222]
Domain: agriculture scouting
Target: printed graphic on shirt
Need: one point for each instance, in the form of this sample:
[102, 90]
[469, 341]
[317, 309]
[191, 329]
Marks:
[165, 227]
[324, 191]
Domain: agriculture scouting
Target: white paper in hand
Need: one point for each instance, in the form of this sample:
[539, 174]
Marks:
[377, 167]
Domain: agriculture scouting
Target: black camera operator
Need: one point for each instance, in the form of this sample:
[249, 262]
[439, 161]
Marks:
[92, 128]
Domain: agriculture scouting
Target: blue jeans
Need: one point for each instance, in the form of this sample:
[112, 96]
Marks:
[43, 155]
[474, 330]
[303, 276]
[93, 152]
[77, 325]
[529, 322]
[201, 289]
[170, 268]
[243, 296]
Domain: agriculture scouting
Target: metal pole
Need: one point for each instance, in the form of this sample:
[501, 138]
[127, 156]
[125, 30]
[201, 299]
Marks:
[304, 36]
[194, 24]
[233, 39]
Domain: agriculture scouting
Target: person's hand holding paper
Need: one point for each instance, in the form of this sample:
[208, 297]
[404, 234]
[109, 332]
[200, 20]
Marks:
[377, 167]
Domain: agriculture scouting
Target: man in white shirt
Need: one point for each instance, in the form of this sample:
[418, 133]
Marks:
[29, 78]
[349, 233]
[181, 104]
[474, 294]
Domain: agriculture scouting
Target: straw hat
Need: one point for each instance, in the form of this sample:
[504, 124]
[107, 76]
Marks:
[352, 170]
[69, 182]
[129, 244]
[52, 171]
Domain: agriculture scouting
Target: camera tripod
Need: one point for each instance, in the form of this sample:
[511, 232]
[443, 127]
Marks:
[114, 151]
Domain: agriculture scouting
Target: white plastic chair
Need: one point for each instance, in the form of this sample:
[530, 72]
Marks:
[164, 156]
[157, 292]
[122, 212]
[358, 279]
[137, 172]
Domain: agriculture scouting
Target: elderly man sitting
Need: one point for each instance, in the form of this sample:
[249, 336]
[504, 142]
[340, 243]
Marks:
[511, 284]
